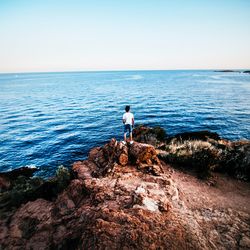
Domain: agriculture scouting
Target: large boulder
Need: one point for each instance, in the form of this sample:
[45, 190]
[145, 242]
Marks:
[111, 153]
[141, 155]
[145, 157]
[154, 136]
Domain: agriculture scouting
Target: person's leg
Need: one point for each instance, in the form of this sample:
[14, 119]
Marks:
[125, 133]
[130, 133]
[130, 136]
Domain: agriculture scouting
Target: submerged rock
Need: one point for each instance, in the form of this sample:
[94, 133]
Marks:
[8, 178]
[24, 171]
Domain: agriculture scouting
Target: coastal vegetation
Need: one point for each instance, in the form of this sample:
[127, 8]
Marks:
[203, 151]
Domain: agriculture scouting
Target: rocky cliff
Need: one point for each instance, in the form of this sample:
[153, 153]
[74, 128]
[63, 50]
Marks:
[125, 197]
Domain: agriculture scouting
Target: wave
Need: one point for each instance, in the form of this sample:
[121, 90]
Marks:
[135, 77]
[129, 78]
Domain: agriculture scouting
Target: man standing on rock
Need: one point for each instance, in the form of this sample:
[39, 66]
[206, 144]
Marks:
[128, 121]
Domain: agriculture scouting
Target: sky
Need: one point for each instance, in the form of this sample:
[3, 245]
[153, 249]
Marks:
[74, 35]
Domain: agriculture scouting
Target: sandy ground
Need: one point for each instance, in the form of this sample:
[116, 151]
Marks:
[226, 193]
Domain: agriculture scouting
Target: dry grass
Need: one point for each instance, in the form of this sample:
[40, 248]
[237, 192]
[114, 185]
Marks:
[188, 147]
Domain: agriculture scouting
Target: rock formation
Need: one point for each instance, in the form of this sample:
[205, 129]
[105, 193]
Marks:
[122, 197]
[154, 136]
[204, 151]
[227, 71]
[233, 71]
[18, 187]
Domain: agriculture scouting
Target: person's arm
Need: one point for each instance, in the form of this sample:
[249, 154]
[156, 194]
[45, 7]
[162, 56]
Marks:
[133, 121]
[123, 119]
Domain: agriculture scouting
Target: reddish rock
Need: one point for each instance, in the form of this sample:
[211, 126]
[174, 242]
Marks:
[120, 199]
[110, 154]
[142, 155]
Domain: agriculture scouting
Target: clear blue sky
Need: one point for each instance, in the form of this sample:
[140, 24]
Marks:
[51, 35]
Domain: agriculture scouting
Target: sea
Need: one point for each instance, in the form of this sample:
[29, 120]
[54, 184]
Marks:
[53, 119]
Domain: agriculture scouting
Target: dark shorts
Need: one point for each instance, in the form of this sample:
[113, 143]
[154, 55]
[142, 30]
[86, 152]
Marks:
[128, 127]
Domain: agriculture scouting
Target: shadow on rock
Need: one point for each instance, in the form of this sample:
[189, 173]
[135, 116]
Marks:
[18, 187]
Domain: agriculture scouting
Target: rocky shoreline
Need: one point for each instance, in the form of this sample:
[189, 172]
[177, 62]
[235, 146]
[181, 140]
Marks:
[204, 151]
[233, 71]
[129, 197]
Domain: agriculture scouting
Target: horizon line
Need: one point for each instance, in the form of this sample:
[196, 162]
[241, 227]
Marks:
[120, 70]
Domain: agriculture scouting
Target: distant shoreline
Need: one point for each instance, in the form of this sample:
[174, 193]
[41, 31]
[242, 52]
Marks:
[125, 70]
[233, 71]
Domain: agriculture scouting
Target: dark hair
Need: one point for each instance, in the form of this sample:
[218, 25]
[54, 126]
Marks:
[127, 108]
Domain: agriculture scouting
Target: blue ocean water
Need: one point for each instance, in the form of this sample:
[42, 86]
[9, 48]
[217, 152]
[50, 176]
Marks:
[49, 119]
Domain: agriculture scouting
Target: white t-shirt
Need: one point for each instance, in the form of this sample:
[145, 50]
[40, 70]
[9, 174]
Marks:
[128, 118]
